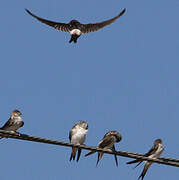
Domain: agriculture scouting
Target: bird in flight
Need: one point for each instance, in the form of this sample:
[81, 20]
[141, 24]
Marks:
[74, 27]
[154, 152]
[107, 143]
[14, 123]
[77, 136]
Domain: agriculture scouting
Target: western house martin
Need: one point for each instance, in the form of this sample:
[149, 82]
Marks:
[77, 136]
[74, 27]
[14, 123]
[107, 143]
[154, 152]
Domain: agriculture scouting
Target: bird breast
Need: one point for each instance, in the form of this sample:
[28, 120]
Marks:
[75, 32]
[16, 125]
[79, 135]
[158, 152]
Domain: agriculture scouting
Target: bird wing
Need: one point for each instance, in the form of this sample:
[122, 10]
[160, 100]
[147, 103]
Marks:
[152, 150]
[100, 155]
[7, 124]
[57, 25]
[86, 28]
[91, 152]
[79, 153]
[115, 157]
[22, 123]
[70, 135]
[134, 161]
[108, 141]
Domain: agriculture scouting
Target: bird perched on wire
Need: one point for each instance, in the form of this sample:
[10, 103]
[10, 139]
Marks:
[107, 143]
[74, 27]
[77, 136]
[154, 152]
[14, 123]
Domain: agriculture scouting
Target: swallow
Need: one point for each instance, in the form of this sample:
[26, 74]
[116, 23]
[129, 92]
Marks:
[74, 27]
[14, 123]
[154, 152]
[77, 136]
[107, 143]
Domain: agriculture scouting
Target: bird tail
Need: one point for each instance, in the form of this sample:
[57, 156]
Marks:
[73, 153]
[100, 155]
[115, 157]
[74, 38]
[79, 153]
[71, 40]
[146, 167]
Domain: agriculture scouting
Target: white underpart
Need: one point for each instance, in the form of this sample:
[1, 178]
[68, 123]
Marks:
[158, 152]
[75, 32]
[16, 125]
[79, 135]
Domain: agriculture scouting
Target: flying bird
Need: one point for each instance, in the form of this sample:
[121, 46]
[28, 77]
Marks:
[14, 123]
[107, 143]
[154, 152]
[77, 136]
[74, 27]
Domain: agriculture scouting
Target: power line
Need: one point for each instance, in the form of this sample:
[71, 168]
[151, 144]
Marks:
[13, 135]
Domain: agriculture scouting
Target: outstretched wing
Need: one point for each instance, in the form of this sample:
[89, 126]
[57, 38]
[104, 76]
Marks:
[86, 28]
[57, 25]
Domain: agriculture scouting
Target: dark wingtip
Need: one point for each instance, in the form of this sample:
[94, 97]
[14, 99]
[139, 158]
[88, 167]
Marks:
[79, 153]
[122, 12]
[71, 157]
[97, 163]
[27, 11]
[116, 161]
[86, 154]
[129, 162]
[91, 152]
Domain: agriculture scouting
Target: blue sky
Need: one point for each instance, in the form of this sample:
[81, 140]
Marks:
[123, 77]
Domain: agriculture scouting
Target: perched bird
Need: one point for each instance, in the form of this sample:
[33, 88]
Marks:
[77, 136]
[74, 27]
[154, 152]
[107, 143]
[14, 123]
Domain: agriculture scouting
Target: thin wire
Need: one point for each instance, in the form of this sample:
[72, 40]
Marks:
[166, 161]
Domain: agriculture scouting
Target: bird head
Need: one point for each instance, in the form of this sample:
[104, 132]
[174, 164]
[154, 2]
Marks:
[74, 22]
[16, 113]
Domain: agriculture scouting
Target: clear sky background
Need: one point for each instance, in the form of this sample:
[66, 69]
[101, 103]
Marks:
[124, 77]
